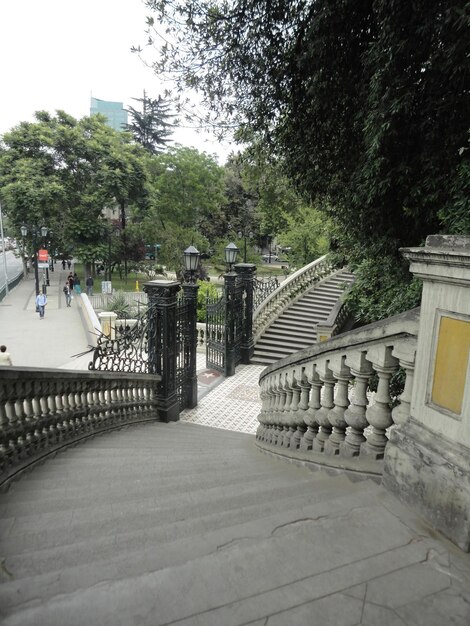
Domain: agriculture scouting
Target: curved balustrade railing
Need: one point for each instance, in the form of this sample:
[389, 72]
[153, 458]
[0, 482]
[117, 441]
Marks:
[317, 405]
[42, 411]
[296, 284]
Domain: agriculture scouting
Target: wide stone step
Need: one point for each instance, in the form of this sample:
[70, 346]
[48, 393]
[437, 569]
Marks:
[229, 579]
[148, 554]
[157, 536]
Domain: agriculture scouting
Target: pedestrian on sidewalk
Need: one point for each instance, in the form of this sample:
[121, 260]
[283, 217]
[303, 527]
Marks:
[89, 286]
[5, 358]
[76, 284]
[63, 264]
[68, 295]
[41, 301]
[69, 264]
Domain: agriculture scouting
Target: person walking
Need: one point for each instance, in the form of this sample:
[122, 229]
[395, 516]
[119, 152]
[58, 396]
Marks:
[89, 286]
[76, 284]
[63, 264]
[69, 264]
[41, 301]
[67, 293]
[5, 358]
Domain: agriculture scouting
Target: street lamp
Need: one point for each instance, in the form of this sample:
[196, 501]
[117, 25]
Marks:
[231, 252]
[190, 289]
[35, 232]
[191, 263]
[245, 235]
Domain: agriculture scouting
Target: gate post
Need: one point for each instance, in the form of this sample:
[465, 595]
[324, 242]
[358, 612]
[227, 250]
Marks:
[162, 345]
[246, 275]
[190, 347]
[230, 280]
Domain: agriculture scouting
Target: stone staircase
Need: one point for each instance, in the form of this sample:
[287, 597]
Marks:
[295, 328]
[168, 523]
[180, 524]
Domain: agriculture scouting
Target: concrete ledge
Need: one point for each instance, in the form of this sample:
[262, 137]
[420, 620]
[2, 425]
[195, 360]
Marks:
[432, 475]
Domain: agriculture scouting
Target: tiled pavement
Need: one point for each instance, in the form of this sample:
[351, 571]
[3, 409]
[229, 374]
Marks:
[232, 404]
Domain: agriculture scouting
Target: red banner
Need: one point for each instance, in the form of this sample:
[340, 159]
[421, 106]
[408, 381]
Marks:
[43, 255]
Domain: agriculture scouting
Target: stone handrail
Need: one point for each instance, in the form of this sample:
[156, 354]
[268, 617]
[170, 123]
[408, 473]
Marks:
[42, 411]
[335, 321]
[288, 290]
[317, 406]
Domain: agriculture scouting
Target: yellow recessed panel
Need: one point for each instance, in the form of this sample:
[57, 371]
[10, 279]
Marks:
[450, 368]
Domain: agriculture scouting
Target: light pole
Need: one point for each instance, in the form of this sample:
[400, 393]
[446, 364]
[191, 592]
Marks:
[231, 308]
[190, 288]
[3, 251]
[243, 234]
[35, 232]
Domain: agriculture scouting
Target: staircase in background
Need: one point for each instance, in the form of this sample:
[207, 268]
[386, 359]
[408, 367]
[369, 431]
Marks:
[295, 328]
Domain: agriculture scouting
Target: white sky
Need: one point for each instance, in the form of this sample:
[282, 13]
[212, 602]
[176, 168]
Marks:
[56, 53]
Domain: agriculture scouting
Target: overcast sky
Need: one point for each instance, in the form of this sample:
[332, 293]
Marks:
[55, 54]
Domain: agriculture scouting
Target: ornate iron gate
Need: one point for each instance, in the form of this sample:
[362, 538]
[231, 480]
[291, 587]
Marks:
[215, 333]
[224, 327]
[160, 342]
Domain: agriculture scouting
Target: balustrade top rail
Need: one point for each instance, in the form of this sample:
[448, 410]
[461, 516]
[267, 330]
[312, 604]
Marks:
[404, 324]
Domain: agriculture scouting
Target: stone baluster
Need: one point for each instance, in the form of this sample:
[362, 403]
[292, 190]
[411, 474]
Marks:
[355, 414]
[293, 408]
[314, 404]
[271, 412]
[299, 407]
[379, 414]
[278, 436]
[327, 403]
[405, 353]
[286, 415]
[341, 402]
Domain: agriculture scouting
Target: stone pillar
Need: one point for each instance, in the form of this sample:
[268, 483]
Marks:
[162, 345]
[190, 387]
[246, 274]
[427, 461]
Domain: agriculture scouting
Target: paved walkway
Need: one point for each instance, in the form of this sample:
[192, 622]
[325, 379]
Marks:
[51, 342]
[55, 341]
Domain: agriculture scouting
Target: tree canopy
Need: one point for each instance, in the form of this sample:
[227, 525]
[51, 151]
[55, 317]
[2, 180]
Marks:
[365, 104]
[65, 173]
[151, 126]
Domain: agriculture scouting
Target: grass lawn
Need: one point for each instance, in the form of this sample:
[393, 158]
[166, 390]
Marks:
[263, 270]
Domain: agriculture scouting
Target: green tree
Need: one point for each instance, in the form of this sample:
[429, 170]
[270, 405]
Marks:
[365, 105]
[151, 127]
[187, 188]
[66, 174]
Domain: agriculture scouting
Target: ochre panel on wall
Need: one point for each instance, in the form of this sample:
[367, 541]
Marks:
[450, 368]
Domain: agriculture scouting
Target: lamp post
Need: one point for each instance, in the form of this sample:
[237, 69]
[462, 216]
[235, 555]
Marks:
[35, 233]
[231, 309]
[190, 288]
[231, 251]
[243, 234]
[3, 251]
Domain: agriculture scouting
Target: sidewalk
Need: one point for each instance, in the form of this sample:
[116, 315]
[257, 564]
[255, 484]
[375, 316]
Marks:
[233, 403]
[51, 342]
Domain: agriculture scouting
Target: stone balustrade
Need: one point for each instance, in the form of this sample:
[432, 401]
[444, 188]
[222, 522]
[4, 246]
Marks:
[290, 289]
[317, 405]
[42, 411]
